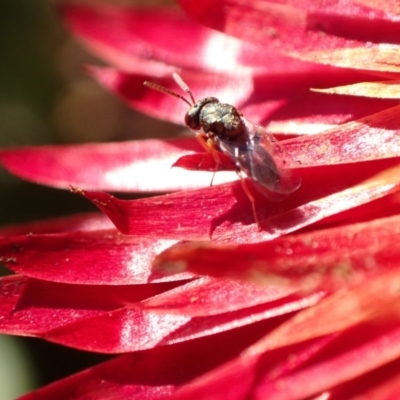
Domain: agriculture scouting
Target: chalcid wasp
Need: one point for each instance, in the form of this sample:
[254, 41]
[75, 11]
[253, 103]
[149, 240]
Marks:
[222, 128]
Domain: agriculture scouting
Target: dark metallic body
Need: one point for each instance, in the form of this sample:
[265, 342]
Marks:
[222, 127]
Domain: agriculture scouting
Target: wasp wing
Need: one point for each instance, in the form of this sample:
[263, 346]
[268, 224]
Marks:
[263, 159]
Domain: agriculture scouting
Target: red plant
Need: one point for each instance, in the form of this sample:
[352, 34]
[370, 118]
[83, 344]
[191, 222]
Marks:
[306, 307]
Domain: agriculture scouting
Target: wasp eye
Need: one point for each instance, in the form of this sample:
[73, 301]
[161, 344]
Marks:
[191, 122]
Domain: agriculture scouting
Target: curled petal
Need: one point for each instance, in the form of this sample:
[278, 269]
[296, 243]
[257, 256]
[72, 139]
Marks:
[224, 213]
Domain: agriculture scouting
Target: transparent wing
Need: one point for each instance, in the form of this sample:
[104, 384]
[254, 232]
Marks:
[263, 159]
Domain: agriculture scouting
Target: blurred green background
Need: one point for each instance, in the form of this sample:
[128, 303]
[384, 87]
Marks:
[45, 98]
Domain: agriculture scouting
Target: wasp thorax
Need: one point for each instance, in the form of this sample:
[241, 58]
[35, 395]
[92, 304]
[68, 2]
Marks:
[222, 120]
[193, 116]
[215, 118]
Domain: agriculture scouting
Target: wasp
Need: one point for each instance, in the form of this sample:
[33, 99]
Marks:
[222, 128]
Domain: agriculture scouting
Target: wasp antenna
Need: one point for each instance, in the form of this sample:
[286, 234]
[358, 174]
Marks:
[183, 85]
[162, 89]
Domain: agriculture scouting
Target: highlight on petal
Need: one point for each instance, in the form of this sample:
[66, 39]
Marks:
[383, 90]
[118, 331]
[92, 319]
[125, 37]
[95, 318]
[104, 257]
[206, 296]
[373, 137]
[266, 314]
[314, 112]
[389, 6]
[33, 307]
[139, 166]
[122, 35]
[381, 58]
[205, 162]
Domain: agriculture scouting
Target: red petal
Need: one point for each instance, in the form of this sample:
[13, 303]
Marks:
[78, 222]
[242, 74]
[212, 63]
[268, 313]
[373, 137]
[141, 166]
[381, 383]
[314, 113]
[237, 379]
[93, 319]
[261, 97]
[146, 375]
[206, 296]
[342, 367]
[125, 37]
[153, 373]
[122, 35]
[146, 165]
[205, 162]
[296, 27]
[367, 318]
[32, 307]
[233, 89]
[95, 258]
[118, 331]
[309, 259]
[223, 212]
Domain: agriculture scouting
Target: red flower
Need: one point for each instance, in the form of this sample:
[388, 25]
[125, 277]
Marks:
[306, 306]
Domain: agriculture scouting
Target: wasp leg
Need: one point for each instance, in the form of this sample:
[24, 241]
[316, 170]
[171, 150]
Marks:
[250, 197]
[202, 139]
[209, 146]
[215, 156]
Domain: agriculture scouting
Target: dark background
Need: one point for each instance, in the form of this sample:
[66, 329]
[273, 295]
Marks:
[45, 98]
